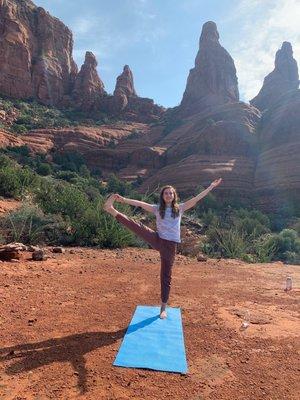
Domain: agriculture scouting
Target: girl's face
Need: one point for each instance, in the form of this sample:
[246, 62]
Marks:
[168, 195]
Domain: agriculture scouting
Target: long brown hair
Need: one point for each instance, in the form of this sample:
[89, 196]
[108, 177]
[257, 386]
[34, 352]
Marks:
[174, 205]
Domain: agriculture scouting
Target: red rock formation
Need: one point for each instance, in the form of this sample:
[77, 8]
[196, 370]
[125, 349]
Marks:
[228, 130]
[53, 68]
[213, 80]
[277, 175]
[36, 62]
[35, 53]
[88, 88]
[191, 172]
[282, 79]
[211, 134]
[125, 83]
[218, 143]
[127, 104]
[123, 90]
[15, 57]
[96, 144]
[10, 140]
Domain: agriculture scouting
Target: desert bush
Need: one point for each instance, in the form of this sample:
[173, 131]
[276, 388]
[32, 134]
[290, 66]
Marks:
[6, 161]
[296, 226]
[69, 160]
[115, 185]
[250, 227]
[210, 218]
[21, 150]
[84, 171]
[9, 182]
[30, 225]
[287, 245]
[62, 198]
[17, 128]
[229, 243]
[69, 176]
[44, 169]
[16, 181]
[96, 227]
[257, 215]
[246, 234]
[263, 248]
[32, 115]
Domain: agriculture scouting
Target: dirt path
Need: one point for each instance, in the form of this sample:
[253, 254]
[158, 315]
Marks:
[62, 322]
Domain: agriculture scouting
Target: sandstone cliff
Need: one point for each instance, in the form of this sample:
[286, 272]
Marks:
[88, 87]
[35, 53]
[213, 81]
[36, 63]
[277, 175]
[282, 79]
[210, 134]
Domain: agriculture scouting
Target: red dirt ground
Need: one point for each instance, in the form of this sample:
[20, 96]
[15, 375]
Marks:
[63, 320]
[8, 205]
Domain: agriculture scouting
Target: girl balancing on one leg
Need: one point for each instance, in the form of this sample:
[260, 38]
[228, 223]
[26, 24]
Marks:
[168, 217]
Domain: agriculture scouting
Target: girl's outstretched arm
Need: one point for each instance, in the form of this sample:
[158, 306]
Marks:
[136, 203]
[192, 202]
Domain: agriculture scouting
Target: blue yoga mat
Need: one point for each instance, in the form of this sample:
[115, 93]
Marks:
[154, 343]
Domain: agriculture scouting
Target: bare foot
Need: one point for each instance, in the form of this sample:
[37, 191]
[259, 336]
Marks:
[108, 205]
[163, 312]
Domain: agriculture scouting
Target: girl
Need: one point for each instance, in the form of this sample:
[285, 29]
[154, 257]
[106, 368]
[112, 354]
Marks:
[168, 217]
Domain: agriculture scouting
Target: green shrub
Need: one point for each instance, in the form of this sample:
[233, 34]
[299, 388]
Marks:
[19, 128]
[296, 226]
[97, 227]
[44, 169]
[62, 198]
[257, 215]
[6, 161]
[115, 185]
[69, 160]
[246, 234]
[30, 225]
[113, 235]
[84, 171]
[229, 243]
[28, 179]
[209, 218]
[264, 249]
[68, 176]
[32, 115]
[10, 185]
[250, 227]
[286, 245]
[22, 150]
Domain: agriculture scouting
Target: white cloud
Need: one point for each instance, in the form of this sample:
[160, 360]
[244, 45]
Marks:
[82, 25]
[265, 25]
[107, 34]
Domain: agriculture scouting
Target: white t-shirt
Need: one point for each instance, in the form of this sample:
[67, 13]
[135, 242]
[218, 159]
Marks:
[168, 227]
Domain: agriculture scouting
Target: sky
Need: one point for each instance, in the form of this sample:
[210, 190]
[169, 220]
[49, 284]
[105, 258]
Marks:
[159, 39]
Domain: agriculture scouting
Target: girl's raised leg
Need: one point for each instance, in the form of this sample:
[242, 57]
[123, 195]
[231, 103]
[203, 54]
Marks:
[141, 230]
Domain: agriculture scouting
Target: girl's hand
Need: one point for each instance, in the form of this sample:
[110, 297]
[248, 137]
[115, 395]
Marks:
[119, 198]
[216, 183]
